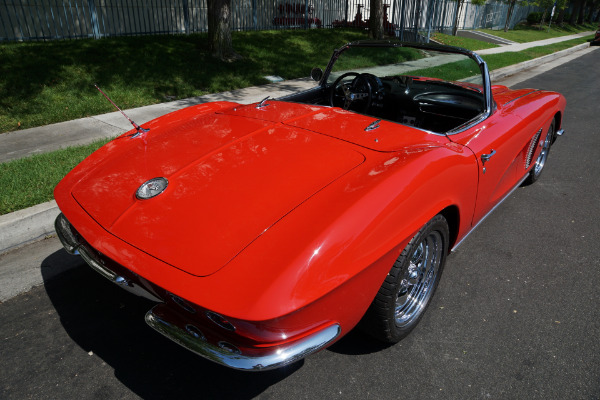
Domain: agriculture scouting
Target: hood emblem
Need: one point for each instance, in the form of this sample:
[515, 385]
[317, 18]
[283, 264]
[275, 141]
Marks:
[151, 188]
[373, 125]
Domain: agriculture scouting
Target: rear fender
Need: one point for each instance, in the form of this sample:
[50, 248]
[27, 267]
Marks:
[359, 225]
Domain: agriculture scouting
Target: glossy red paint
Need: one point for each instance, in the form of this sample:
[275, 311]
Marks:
[508, 131]
[285, 217]
[262, 175]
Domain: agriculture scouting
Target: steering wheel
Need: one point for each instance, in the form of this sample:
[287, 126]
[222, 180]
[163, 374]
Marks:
[346, 93]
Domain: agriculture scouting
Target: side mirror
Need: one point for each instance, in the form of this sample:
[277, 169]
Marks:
[316, 74]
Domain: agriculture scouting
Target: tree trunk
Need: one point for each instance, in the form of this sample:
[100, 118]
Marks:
[560, 20]
[376, 19]
[593, 6]
[543, 18]
[581, 13]
[576, 6]
[219, 30]
[455, 24]
[509, 14]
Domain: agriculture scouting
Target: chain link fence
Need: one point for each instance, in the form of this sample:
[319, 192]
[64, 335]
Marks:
[411, 20]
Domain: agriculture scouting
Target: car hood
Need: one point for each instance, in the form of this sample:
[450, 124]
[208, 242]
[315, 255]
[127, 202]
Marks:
[230, 177]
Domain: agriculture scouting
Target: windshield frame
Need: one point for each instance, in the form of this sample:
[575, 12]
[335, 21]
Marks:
[487, 87]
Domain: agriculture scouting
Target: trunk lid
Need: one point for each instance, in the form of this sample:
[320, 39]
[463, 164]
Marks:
[230, 178]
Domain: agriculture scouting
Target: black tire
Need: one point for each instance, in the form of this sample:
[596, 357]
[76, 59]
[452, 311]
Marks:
[540, 162]
[407, 290]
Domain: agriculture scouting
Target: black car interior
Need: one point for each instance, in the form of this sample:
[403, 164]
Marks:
[427, 103]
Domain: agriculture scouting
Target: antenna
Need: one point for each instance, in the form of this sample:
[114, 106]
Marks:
[139, 129]
[262, 102]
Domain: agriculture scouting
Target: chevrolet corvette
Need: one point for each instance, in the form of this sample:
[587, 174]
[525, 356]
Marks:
[266, 232]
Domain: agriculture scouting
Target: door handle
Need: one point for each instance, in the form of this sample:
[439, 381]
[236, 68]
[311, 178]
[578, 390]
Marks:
[486, 157]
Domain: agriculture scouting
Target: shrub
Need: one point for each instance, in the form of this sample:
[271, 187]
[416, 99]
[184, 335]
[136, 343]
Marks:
[534, 18]
[566, 17]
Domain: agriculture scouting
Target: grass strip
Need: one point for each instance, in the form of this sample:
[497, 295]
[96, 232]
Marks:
[528, 33]
[30, 181]
[459, 41]
[495, 61]
[464, 69]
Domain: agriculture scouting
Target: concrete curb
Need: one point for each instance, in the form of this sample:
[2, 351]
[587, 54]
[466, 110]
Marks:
[516, 68]
[26, 226]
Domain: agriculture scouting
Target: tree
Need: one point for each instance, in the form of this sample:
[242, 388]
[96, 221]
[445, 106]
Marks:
[545, 4]
[561, 16]
[581, 12]
[593, 6]
[577, 4]
[511, 9]
[219, 30]
[459, 5]
[376, 19]
[561, 6]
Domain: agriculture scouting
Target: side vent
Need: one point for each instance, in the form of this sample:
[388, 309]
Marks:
[531, 149]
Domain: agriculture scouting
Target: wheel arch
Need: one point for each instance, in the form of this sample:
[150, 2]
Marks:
[557, 124]
[558, 119]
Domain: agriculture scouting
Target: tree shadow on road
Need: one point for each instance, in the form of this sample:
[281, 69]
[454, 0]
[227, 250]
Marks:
[104, 319]
[108, 321]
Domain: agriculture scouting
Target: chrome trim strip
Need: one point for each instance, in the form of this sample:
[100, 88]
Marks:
[273, 357]
[73, 246]
[373, 125]
[65, 234]
[532, 146]
[95, 264]
[517, 98]
[489, 212]
[112, 276]
[489, 101]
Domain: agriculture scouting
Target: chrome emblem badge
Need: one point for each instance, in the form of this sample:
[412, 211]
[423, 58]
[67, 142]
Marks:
[151, 188]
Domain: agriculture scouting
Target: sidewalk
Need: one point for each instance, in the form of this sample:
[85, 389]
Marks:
[523, 46]
[83, 131]
[25, 226]
[486, 37]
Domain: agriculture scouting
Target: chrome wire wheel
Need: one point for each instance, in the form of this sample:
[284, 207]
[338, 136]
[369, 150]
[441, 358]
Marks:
[410, 284]
[541, 160]
[418, 283]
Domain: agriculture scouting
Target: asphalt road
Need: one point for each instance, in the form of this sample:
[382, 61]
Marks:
[516, 315]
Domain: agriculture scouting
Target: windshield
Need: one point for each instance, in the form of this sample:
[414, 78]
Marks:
[439, 91]
[388, 62]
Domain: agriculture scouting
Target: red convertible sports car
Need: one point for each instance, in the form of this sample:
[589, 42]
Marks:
[266, 232]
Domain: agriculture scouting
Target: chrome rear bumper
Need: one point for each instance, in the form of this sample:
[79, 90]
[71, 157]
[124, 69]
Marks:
[72, 245]
[270, 357]
[162, 318]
